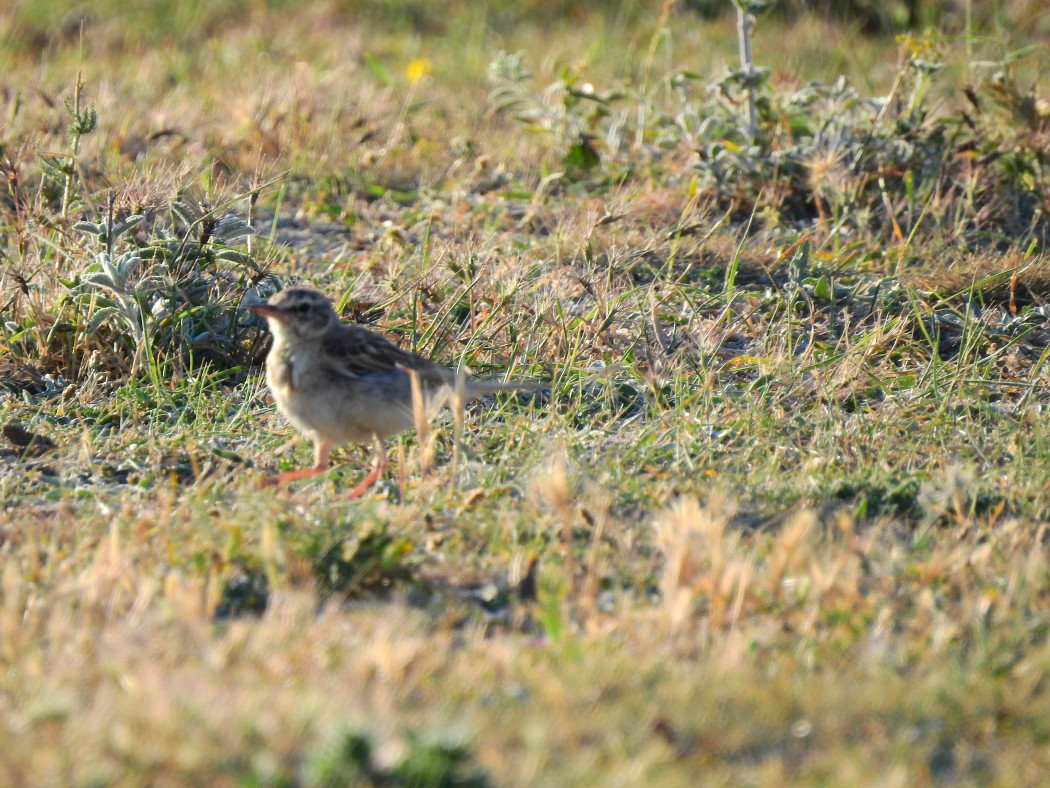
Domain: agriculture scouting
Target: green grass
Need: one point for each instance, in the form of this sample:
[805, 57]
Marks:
[781, 517]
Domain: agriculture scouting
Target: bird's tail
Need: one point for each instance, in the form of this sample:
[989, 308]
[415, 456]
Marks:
[430, 399]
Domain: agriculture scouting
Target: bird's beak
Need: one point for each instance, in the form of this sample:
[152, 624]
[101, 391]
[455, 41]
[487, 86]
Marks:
[265, 310]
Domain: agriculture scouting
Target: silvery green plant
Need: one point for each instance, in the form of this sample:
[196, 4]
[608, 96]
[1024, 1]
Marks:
[749, 77]
[174, 292]
[120, 294]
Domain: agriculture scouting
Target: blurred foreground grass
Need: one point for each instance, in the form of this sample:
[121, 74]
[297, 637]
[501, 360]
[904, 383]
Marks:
[782, 517]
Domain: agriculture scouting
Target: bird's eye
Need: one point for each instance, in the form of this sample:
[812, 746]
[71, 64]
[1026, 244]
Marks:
[302, 309]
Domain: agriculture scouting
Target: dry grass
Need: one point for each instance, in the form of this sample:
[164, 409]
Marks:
[816, 652]
[782, 516]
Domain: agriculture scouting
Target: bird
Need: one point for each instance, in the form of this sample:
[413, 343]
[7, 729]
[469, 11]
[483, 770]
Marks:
[340, 383]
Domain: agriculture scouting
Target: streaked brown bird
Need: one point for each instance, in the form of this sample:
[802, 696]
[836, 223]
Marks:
[340, 383]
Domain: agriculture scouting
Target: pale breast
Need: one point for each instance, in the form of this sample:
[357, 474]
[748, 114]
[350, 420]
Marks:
[337, 408]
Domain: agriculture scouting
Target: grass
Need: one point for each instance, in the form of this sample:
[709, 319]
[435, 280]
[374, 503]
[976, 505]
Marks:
[782, 516]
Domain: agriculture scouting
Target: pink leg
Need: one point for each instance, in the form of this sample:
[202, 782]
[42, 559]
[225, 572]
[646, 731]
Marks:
[320, 466]
[378, 469]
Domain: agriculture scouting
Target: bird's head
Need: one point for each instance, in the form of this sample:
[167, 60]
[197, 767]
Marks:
[297, 313]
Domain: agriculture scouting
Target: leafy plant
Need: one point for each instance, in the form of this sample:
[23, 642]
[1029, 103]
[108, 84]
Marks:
[361, 561]
[63, 167]
[351, 760]
[749, 77]
[856, 165]
[173, 295]
[568, 109]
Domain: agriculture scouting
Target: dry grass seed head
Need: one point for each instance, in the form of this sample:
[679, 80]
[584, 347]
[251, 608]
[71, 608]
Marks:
[696, 549]
[551, 485]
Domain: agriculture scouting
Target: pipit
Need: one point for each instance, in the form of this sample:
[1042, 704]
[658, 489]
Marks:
[341, 383]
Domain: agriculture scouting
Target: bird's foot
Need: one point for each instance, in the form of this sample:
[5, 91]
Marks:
[366, 484]
[291, 476]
